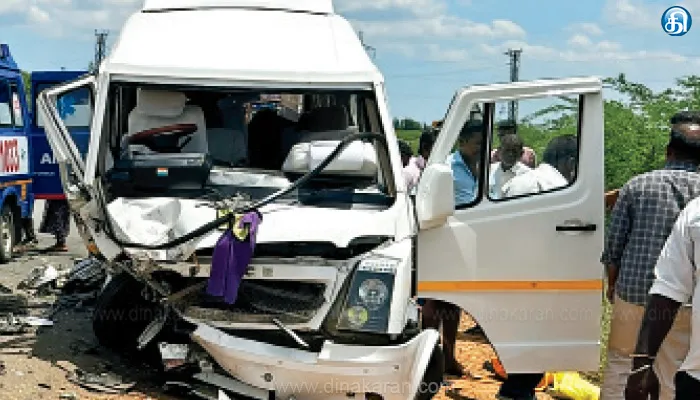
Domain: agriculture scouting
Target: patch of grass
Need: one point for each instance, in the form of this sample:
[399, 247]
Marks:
[411, 137]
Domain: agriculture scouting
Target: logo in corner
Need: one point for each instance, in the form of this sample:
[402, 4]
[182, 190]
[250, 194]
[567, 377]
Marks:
[676, 21]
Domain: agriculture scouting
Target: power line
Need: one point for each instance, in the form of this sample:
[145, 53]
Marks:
[514, 62]
[369, 49]
[100, 48]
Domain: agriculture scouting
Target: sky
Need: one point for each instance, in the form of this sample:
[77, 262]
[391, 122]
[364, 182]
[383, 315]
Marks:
[426, 49]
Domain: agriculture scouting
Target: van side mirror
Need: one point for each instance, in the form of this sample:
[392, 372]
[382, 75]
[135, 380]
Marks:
[435, 196]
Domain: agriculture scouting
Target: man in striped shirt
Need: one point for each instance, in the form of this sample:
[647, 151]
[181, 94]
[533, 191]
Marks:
[642, 219]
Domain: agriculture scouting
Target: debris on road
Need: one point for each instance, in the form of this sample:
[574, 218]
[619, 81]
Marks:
[11, 325]
[13, 303]
[105, 382]
[40, 278]
[87, 275]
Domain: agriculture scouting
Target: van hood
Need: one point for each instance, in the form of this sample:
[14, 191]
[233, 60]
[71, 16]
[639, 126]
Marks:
[154, 221]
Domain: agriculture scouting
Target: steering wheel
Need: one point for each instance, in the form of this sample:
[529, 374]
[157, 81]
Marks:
[165, 139]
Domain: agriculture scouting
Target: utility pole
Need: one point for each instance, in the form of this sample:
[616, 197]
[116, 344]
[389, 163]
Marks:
[100, 48]
[369, 49]
[514, 62]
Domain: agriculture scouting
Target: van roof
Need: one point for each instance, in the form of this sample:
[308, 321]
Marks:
[311, 6]
[241, 45]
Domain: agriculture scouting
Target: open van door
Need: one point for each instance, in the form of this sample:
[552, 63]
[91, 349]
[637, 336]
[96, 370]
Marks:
[75, 109]
[66, 154]
[526, 267]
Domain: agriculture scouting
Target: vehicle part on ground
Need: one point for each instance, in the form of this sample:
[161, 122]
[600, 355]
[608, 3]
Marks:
[122, 315]
[13, 303]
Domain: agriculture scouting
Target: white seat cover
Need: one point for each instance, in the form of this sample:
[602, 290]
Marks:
[358, 159]
[156, 108]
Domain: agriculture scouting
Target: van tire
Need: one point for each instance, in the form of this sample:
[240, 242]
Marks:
[7, 234]
[122, 314]
[433, 377]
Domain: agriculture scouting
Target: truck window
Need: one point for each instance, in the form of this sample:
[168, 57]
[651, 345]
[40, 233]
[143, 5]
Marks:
[75, 108]
[5, 105]
[16, 106]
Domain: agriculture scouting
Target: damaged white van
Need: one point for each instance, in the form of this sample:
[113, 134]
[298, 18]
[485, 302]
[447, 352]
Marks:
[209, 110]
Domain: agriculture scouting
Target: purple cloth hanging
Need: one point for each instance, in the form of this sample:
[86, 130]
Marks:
[231, 257]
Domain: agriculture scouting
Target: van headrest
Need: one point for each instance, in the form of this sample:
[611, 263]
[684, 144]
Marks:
[358, 159]
[160, 103]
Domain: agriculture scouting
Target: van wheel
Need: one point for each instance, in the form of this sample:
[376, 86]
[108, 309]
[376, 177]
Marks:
[7, 234]
[432, 379]
[122, 314]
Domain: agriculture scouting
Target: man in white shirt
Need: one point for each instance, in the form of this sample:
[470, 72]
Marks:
[557, 169]
[529, 157]
[676, 283]
[559, 163]
[413, 165]
[503, 171]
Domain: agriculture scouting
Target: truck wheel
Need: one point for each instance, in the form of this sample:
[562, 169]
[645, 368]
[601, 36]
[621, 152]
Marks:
[121, 314]
[433, 377]
[7, 233]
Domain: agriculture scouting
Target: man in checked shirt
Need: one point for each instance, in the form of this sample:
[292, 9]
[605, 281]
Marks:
[642, 219]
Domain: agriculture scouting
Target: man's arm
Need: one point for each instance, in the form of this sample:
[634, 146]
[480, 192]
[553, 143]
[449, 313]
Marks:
[658, 319]
[673, 286]
[616, 238]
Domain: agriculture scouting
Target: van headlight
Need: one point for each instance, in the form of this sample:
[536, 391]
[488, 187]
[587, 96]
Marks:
[367, 305]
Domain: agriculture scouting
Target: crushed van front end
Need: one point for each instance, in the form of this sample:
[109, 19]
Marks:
[337, 371]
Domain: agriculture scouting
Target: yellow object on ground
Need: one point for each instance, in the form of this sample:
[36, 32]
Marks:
[571, 386]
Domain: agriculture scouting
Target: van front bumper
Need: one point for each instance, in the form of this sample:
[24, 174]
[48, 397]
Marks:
[394, 372]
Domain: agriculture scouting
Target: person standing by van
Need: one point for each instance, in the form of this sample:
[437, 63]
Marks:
[465, 164]
[642, 219]
[56, 221]
[28, 239]
[675, 284]
[414, 165]
[557, 170]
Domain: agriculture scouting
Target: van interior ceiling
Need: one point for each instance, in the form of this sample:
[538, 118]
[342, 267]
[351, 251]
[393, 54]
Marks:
[186, 135]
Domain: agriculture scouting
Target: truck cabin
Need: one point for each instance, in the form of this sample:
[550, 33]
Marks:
[75, 109]
[13, 107]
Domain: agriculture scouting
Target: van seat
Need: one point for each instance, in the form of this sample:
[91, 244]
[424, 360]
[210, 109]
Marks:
[156, 108]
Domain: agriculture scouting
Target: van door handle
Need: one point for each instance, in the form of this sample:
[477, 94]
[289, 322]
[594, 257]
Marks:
[577, 228]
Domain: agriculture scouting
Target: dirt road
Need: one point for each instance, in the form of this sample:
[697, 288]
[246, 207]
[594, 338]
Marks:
[35, 365]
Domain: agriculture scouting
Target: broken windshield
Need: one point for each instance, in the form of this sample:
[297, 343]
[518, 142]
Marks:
[214, 144]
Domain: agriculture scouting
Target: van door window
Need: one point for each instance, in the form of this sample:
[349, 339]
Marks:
[536, 152]
[75, 108]
[466, 158]
[5, 105]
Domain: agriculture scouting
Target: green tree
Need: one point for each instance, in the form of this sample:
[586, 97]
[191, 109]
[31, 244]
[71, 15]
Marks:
[27, 78]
